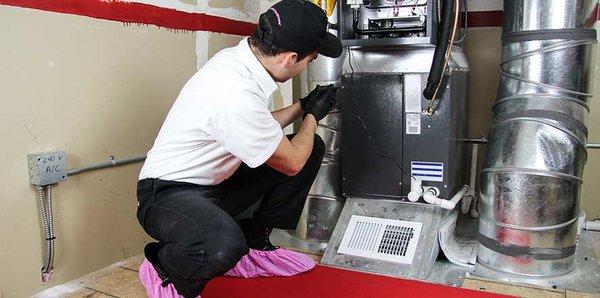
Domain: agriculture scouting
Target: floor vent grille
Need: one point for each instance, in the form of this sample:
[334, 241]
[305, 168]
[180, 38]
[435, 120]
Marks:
[381, 239]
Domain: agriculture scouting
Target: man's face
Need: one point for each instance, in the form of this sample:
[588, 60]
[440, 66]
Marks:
[292, 69]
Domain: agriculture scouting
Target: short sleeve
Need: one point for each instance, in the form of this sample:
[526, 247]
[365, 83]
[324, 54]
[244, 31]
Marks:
[246, 128]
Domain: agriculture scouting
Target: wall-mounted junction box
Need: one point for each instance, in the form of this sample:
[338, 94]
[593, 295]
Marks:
[47, 168]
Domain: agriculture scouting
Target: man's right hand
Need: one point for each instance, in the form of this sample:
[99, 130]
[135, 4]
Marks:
[320, 106]
[312, 96]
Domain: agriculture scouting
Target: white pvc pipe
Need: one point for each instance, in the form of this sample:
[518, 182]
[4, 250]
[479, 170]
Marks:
[431, 196]
[458, 196]
[473, 211]
[592, 225]
[416, 189]
[467, 201]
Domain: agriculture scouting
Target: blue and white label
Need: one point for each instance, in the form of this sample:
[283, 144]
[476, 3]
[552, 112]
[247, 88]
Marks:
[427, 171]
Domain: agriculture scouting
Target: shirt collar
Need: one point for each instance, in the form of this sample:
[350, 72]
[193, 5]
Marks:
[260, 74]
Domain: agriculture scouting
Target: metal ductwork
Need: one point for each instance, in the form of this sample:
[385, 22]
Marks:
[531, 178]
[325, 201]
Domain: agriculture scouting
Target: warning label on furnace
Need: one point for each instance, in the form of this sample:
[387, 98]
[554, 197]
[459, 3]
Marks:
[413, 124]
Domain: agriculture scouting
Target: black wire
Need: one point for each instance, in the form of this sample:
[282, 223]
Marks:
[358, 116]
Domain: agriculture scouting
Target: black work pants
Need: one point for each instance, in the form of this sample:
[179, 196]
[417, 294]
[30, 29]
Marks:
[195, 224]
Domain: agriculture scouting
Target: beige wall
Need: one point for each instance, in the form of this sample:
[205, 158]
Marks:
[98, 88]
[483, 49]
[590, 198]
[94, 88]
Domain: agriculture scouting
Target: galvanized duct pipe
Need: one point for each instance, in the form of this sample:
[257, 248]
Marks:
[325, 201]
[530, 184]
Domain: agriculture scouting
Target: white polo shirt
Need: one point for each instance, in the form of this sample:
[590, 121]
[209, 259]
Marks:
[220, 119]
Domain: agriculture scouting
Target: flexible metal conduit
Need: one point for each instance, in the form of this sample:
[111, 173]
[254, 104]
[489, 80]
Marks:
[44, 194]
[45, 198]
[536, 152]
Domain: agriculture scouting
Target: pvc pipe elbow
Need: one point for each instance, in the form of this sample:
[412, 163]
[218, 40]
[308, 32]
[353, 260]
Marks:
[416, 189]
[592, 225]
[447, 204]
[430, 196]
[451, 204]
[414, 196]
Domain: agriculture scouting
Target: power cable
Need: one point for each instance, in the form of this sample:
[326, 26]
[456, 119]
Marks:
[430, 109]
[364, 126]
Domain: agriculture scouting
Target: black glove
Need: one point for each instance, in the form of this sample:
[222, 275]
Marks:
[316, 93]
[320, 106]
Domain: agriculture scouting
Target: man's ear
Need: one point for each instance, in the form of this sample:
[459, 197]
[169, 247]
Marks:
[289, 59]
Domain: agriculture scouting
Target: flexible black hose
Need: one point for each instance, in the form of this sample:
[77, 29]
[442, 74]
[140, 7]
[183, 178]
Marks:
[442, 43]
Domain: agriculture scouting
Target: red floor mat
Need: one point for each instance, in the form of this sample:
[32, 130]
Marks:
[331, 282]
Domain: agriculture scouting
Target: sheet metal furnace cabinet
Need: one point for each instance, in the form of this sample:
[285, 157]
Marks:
[393, 111]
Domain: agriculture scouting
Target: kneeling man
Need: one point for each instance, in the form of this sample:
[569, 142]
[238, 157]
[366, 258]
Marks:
[221, 150]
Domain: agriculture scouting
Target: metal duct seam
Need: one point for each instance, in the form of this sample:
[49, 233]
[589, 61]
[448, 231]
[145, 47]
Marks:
[527, 252]
[533, 172]
[545, 49]
[562, 122]
[536, 229]
[547, 86]
[548, 34]
[541, 97]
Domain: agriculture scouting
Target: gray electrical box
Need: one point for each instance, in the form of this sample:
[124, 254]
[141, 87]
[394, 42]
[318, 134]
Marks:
[47, 168]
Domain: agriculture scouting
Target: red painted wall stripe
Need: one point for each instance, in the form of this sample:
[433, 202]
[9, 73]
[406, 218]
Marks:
[484, 18]
[494, 18]
[139, 13]
[594, 16]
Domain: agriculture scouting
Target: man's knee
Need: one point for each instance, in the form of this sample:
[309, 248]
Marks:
[230, 253]
[206, 255]
[227, 249]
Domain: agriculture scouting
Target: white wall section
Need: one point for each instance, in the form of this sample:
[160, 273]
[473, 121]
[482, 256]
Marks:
[484, 5]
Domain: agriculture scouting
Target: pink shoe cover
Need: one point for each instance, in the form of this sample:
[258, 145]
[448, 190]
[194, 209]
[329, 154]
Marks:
[152, 283]
[279, 262]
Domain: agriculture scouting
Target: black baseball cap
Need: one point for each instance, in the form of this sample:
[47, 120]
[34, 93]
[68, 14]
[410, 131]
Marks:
[298, 26]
